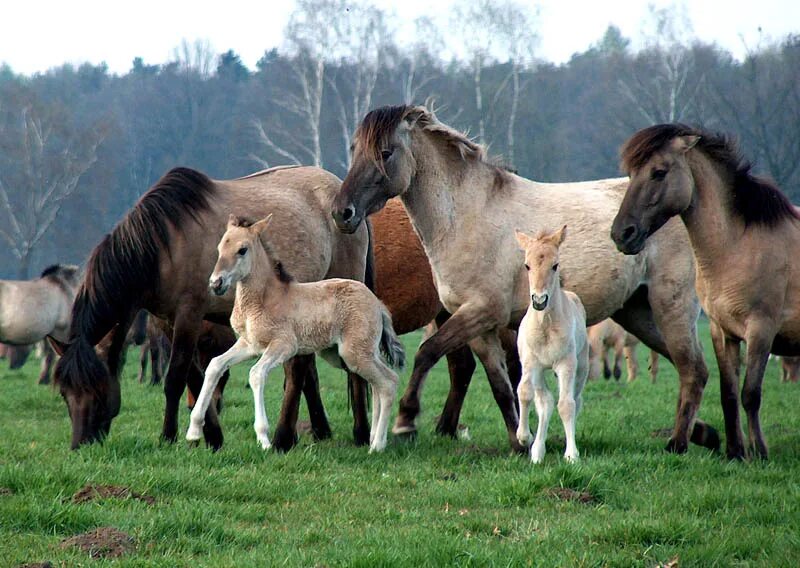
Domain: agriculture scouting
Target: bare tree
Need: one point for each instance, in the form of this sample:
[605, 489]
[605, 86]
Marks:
[428, 41]
[44, 160]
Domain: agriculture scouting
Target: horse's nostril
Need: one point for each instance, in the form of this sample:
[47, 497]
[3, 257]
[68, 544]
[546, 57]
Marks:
[347, 214]
[629, 232]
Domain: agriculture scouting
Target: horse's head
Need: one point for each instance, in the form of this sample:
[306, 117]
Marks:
[382, 164]
[661, 183]
[235, 249]
[541, 263]
[91, 392]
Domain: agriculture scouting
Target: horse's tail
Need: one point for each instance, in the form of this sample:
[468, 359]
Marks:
[391, 348]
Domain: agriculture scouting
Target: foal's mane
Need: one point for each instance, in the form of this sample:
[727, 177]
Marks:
[125, 265]
[277, 266]
[757, 200]
[377, 127]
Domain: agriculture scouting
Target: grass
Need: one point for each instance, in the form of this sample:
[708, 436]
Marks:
[433, 502]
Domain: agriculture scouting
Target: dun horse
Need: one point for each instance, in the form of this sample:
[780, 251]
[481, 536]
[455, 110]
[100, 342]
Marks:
[741, 228]
[463, 207]
[30, 310]
[159, 258]
[276, 318]
[552, 335]
[608, 338]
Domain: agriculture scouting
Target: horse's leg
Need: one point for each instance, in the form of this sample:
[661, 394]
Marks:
[295, 371]
[461, 366]
[543, 401]
[144, 354]
[274, 355]
[186, 330]
[47, 363]
[631, 363]
[465, 324]
[618, 355]
[672, 321]
[218, 365]
[212, 430]
[488, 349]
[653, 366]
[525, 393]
[565, 372]
[759, 340]
[384, 388]
[357, 388]
[727, 351]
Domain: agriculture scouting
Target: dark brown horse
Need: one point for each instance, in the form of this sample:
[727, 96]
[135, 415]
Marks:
[159, 258]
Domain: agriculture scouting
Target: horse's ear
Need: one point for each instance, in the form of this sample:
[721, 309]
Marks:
[57, 345]
[233, 221]
[686, 143]
[523, 239]
[261, 225]
[414, 114]
[561, 234]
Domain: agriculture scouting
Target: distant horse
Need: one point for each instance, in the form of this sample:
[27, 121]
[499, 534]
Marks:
[30, 310]
[790, 369]
[552, 335]
[275, 318]
[608, 337]
[463, 208]
[159, 258]
[745, 235]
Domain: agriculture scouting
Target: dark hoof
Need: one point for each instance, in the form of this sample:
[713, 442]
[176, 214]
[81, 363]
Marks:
[736, 454]
[617, 373]
[213, 437]
[361, 436]
[446, 431]
[285, 439]
[676, 447]
[322, 432]
[169, 437]
[606, 373]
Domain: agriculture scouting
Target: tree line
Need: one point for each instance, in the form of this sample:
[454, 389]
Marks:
[79, 145]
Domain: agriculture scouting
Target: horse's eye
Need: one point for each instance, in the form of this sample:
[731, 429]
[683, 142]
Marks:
[527, 267]
[242, 251]
[555, 267]
[386, 154]
[658, 175]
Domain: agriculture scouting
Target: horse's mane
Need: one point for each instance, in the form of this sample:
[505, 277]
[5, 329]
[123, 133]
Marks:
[277, 266]
[757, 200]
[125, 265]
[377, 127]
[52, 269]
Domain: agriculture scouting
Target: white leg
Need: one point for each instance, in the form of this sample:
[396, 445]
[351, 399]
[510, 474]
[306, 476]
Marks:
[238, 352]
[525, 396]
[376, 413]
[543, 401]
[566, 404]
[273, 356]
[383, 381]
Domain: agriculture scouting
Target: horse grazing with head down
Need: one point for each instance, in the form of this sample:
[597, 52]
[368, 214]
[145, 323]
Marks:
[741, 228]
[159, 257]
[463, 207]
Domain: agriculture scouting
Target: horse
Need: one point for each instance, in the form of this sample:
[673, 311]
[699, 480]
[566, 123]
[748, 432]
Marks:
[30, 310]
[741, 228]
[552, 335]
[790, 369]
[276, 317]
[16, 354]
[608, 336]
[158, 258]
[461, 204]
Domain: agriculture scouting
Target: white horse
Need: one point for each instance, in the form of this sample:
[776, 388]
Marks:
[552, 335]
[277, 318]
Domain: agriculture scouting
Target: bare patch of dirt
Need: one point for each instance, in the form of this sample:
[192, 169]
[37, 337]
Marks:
[661, 433]
[567, 494]
[97, 492]
[5, 491]
[103, 542]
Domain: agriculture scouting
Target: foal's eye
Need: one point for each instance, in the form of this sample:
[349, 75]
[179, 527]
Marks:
[658, 175]
[527, 267]
[555, 267]
[386, 154]
[242, 251]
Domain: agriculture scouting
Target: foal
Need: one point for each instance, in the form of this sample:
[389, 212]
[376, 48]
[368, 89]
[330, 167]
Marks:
[552, 335]
[278, 318]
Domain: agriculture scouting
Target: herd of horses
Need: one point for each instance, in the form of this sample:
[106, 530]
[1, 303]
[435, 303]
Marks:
[690, 227]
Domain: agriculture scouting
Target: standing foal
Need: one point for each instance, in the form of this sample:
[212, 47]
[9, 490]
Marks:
[278, 318]
[552, 335]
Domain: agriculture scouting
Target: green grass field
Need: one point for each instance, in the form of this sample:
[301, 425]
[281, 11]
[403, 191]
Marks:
[433, 502]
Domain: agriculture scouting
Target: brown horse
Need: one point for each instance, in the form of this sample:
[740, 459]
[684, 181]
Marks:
[741, 228]
[465, 210]
[159, 258]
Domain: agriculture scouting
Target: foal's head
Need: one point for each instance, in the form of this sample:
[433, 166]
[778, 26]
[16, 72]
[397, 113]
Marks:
[236, 249]
[541, 262]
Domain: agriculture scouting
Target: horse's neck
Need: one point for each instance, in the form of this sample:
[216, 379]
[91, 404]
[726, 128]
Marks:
[709, 219]
[253, 291]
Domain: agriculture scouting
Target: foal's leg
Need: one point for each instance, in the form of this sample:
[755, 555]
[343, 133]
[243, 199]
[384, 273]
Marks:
[274, 355]
[543, 401]
[631, 363]
[525, 397]
[727, 351]
[218, 365]
[759, 340]
[567, 407]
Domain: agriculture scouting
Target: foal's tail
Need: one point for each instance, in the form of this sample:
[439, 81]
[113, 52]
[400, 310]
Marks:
[391, 348]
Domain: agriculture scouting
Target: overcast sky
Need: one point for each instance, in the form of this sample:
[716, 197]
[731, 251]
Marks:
[36, 35]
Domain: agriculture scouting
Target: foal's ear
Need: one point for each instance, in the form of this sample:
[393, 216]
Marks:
[686, 143]
[560, 235]
[233, 221]
[522, 239]
[260, 226]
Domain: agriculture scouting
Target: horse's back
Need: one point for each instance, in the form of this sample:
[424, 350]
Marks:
[30, 310]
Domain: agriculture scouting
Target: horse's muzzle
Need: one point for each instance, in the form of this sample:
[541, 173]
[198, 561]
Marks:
[629, 238]
[539, 302]
[218, 286]
[347, 220]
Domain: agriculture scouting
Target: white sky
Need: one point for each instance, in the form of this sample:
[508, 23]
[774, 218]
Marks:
[36, 35]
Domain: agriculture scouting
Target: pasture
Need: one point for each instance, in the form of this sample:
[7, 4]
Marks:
[432, 502]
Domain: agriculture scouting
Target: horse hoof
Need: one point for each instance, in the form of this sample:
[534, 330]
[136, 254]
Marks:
[676, 446]
[284, 439]
[736, 454]
[213, 437]
[361, 437]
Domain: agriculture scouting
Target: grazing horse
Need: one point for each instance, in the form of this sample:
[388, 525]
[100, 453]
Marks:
[30, 310]
[742, 228]
[552, 335]
[159, 257]
[276, 318]
[463, 207]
